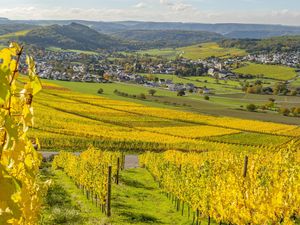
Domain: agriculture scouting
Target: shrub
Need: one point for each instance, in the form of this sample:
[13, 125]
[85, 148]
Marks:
[142, 96]
[264, 107]
[251, 107]
[294, 93]
[296, 111]
[284, 111]
[272, 100]
[100, 91]
[181, 93]
[206, 97]
[152, 92]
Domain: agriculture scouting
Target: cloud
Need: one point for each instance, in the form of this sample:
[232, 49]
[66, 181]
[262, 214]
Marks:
[176, 5]
[140, 5]
[165, 2]
[181, 7]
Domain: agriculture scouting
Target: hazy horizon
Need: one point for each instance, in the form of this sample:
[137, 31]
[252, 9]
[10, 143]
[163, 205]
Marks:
[149, 21]
[195, 11]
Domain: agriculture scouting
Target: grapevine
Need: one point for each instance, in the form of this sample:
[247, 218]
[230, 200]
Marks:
[89, 170]
[213, 184]
[20, 188]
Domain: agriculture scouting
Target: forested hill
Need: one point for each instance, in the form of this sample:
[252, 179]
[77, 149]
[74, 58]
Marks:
[168, 38]
[72, 36]
[230, 30]
[81, 37]
[132, 35]
[14, 27]
[286, 43]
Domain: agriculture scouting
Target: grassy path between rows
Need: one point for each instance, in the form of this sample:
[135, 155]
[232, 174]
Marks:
[136, 200]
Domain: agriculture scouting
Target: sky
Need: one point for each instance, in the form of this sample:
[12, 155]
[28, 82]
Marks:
[285, 12]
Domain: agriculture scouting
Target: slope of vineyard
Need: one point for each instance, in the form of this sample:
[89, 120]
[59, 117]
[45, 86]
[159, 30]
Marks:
[89, 170]
[220, 185]
[67, 120]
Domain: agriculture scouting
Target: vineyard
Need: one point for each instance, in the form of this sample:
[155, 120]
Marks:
[90, 172]
[82, 119]
[262, 188]
[219, 170]
[205, 174]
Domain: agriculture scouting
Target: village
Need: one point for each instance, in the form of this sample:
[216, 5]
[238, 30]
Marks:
[72, 66]
[291, 59]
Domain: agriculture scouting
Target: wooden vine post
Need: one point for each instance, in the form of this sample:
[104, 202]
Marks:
[118, 171]
[245, 166]
[108, 202]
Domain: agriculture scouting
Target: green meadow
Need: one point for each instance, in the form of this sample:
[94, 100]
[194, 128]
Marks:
[268, 71]
[13, 35]
[170, 53]
[195, 52]
[55, 49]
[207, 50]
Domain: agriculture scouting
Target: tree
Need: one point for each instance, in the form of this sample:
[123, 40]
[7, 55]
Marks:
[142, 96]
[280, 88]
[152, 92]
[181, 93]
[206, 97]
[296, 111]
[272, 100]
[251, 107]
[258, 82]
[285, 111]
[150, 77]
[100, 91]
[294, 93]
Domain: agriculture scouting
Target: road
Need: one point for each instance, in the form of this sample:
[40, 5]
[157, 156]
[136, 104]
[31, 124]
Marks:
[131, 161]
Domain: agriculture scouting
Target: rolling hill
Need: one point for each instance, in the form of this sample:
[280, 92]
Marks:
[133, 35]
[15, 27]
[230, 30]
[72, 36]
[285, 43]
[168, 38]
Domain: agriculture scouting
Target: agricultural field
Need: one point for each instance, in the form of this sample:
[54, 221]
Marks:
[268, 71]
[83, 119]
[195, 52]
[13, 35]
[222, 103]
[207, 50]
[170, 53]
[150, 132]
[56, 49]
[216, 186]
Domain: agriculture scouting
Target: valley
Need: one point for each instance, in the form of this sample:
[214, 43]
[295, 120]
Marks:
[131, 122]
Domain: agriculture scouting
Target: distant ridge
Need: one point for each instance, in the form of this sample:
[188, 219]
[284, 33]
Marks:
[168, 38]
[232, 30]
[72, 36]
